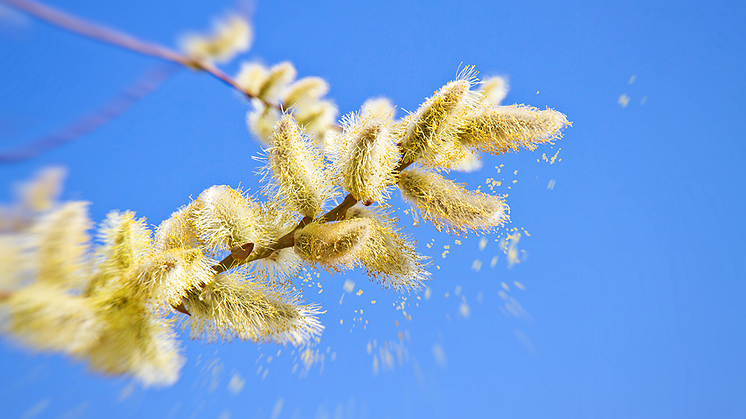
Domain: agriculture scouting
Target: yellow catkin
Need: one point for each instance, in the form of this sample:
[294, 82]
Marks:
[334, 246]
[494, 89]
[389, 256]
[135, 338]
[251, 77]
[277, 81]
[368, 158]
[60, 242]
[502, 129]
[305, 89]
[225, 218]
[425, 133]
[230, 36]
[230, 307]
[125, 240]
[449, 206]
[297, 169]
[178, 231]
[47, 318]
[165, 277]
[317, 117]
[41, 193]
[281, 265]
[261, 120]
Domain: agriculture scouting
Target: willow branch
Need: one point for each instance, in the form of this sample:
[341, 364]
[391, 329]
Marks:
[288, 240]
[145, 85]
[110, 36]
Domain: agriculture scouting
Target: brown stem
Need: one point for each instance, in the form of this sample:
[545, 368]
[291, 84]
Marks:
[288, 240]
[110, 36]
[5, 295]
[91, 30]
[336, 214]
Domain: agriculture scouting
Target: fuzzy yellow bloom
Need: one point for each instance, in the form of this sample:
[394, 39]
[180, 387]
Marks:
[281, 265]
[450, 206]
[59, 244]
[368, 158]
[267, 84]
[230, 307]
[334, 246]
[15, 262]
[165, 277]
[425, 133]
[261, 120]
[40, 193]
[378, 107]
[135, 338]
[494, 90]
[305, 90]
[389, 256]
[296, 168]
[317, 117]
[278, 78]
[251, 77]
[125, 241]
[230, 36]
[502, 129]
[178, 231]
[47, 318]
[225, 218]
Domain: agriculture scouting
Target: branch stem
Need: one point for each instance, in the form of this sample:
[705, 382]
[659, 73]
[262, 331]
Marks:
[110, 36]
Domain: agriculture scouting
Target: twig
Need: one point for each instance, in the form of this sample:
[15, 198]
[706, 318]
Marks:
[110, 36]
[146, 84]
[288, 240]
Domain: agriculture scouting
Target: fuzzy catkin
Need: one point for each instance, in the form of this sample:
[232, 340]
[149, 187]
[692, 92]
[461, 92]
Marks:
[502, 129]
[307, 89]
[334, 246]
[46, 317]
[425, 132]
[60, 243]
[368, 158]
[297, 170]
[178, 231]
[283, 264]
[225, 218]
[166, 277]
[389, 256]
[251, 77]
[277, 80]
[448, 205]
[494, 89]
[230, 307]
[135, 338]
[230, 36]
[125, 240]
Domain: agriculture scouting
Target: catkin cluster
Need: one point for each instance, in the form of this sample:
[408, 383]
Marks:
[228, 259]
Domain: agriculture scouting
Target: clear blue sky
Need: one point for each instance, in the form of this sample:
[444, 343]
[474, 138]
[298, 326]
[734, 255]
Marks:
[634, 275]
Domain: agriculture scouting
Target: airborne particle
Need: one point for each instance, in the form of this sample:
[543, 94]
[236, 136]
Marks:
[623, 100]
[439, 355]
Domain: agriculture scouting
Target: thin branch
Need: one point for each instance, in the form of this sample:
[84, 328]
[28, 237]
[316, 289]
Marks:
[110, 36]
[288, 240]
[91, 30]
[146, 84]
[336, 214]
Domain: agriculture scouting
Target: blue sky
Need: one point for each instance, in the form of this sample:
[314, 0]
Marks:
[633, 276]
